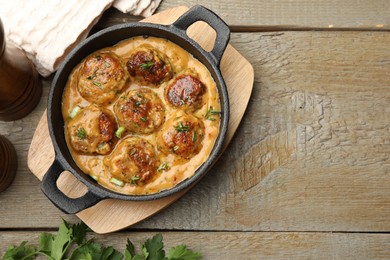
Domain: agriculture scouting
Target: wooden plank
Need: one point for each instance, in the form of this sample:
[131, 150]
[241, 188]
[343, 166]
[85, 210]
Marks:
[284, 14]
[247, 245]
[311, 154]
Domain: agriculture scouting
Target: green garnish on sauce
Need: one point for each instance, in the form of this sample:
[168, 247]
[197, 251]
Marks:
[74, 111]
[211, 112]
[81, 133]
[117, 182]
[162, 167]
[182, 128]
[134, 179]
[120, 131]
[147, 65]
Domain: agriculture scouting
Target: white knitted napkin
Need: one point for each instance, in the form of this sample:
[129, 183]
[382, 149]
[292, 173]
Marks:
[48, 29]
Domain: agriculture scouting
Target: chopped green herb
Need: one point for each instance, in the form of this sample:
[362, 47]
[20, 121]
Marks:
[147, 65]
[81, 133]
[97, 83]
[107, 64]
[139, 95]
[120, 131]
[194, 137]
[134, 179]
[117, 182]
[211, 112]
[138, 103]
[162, 167]
[102, 146]
[74, 111]
[133, 151]
[89, 77]
[123, 97]
[175, 148]
[98, 57]
[182, 128]
[143, 119]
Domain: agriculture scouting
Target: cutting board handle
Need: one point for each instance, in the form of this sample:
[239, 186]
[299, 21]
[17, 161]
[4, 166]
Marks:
[63, 202]
[200, 13]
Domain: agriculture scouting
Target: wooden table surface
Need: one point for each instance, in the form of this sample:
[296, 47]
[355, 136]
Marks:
[307, 174]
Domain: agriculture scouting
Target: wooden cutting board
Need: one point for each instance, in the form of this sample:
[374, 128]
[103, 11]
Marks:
[112, 215]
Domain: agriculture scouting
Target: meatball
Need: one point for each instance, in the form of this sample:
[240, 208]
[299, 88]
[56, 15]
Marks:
[101, 77]
[185, 92]
[140, 111]
[149, 66]
[91, 131]
[133, 161]
[182, 135]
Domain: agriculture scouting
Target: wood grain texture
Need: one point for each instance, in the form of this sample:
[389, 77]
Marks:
[284, 14]
[247, 245]
[112, 215]
[311, 154]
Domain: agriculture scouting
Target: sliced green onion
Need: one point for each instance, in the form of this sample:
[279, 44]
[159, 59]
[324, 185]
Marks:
[175, 148]
[162, 167]
[95, 177]
[117, 182]
[74, 111]
[120, 131]
[143, 119]
[81, 133]
[134, 179]
[133, 151]
[194, 137]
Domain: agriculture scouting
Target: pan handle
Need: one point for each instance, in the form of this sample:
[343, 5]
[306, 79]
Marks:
[59, 199]
[200, 13]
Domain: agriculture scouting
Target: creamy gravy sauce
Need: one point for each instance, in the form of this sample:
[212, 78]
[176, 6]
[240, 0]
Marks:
[179, 169]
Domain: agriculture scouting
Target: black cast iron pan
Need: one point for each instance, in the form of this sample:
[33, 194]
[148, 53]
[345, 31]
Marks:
[109, 37]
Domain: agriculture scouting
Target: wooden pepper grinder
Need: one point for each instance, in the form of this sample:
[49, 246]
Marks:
[8, 163]
[20, 86]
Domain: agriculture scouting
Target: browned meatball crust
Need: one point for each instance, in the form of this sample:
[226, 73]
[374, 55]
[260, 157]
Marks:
[185, 92]
[133, 161]
[102, 76]
[91, 131]
[149, 66]
[182, 135]
[140, 111]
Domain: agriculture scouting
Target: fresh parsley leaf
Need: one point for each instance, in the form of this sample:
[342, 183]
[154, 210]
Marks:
[45, 242]
[154, 248]
[181, 252]
[130, 248]
[145, 252]
[109, 253]
[61, 241]
[62, 246]
[23, 251]
[79, 232]
[88, 251]
[147, 65]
